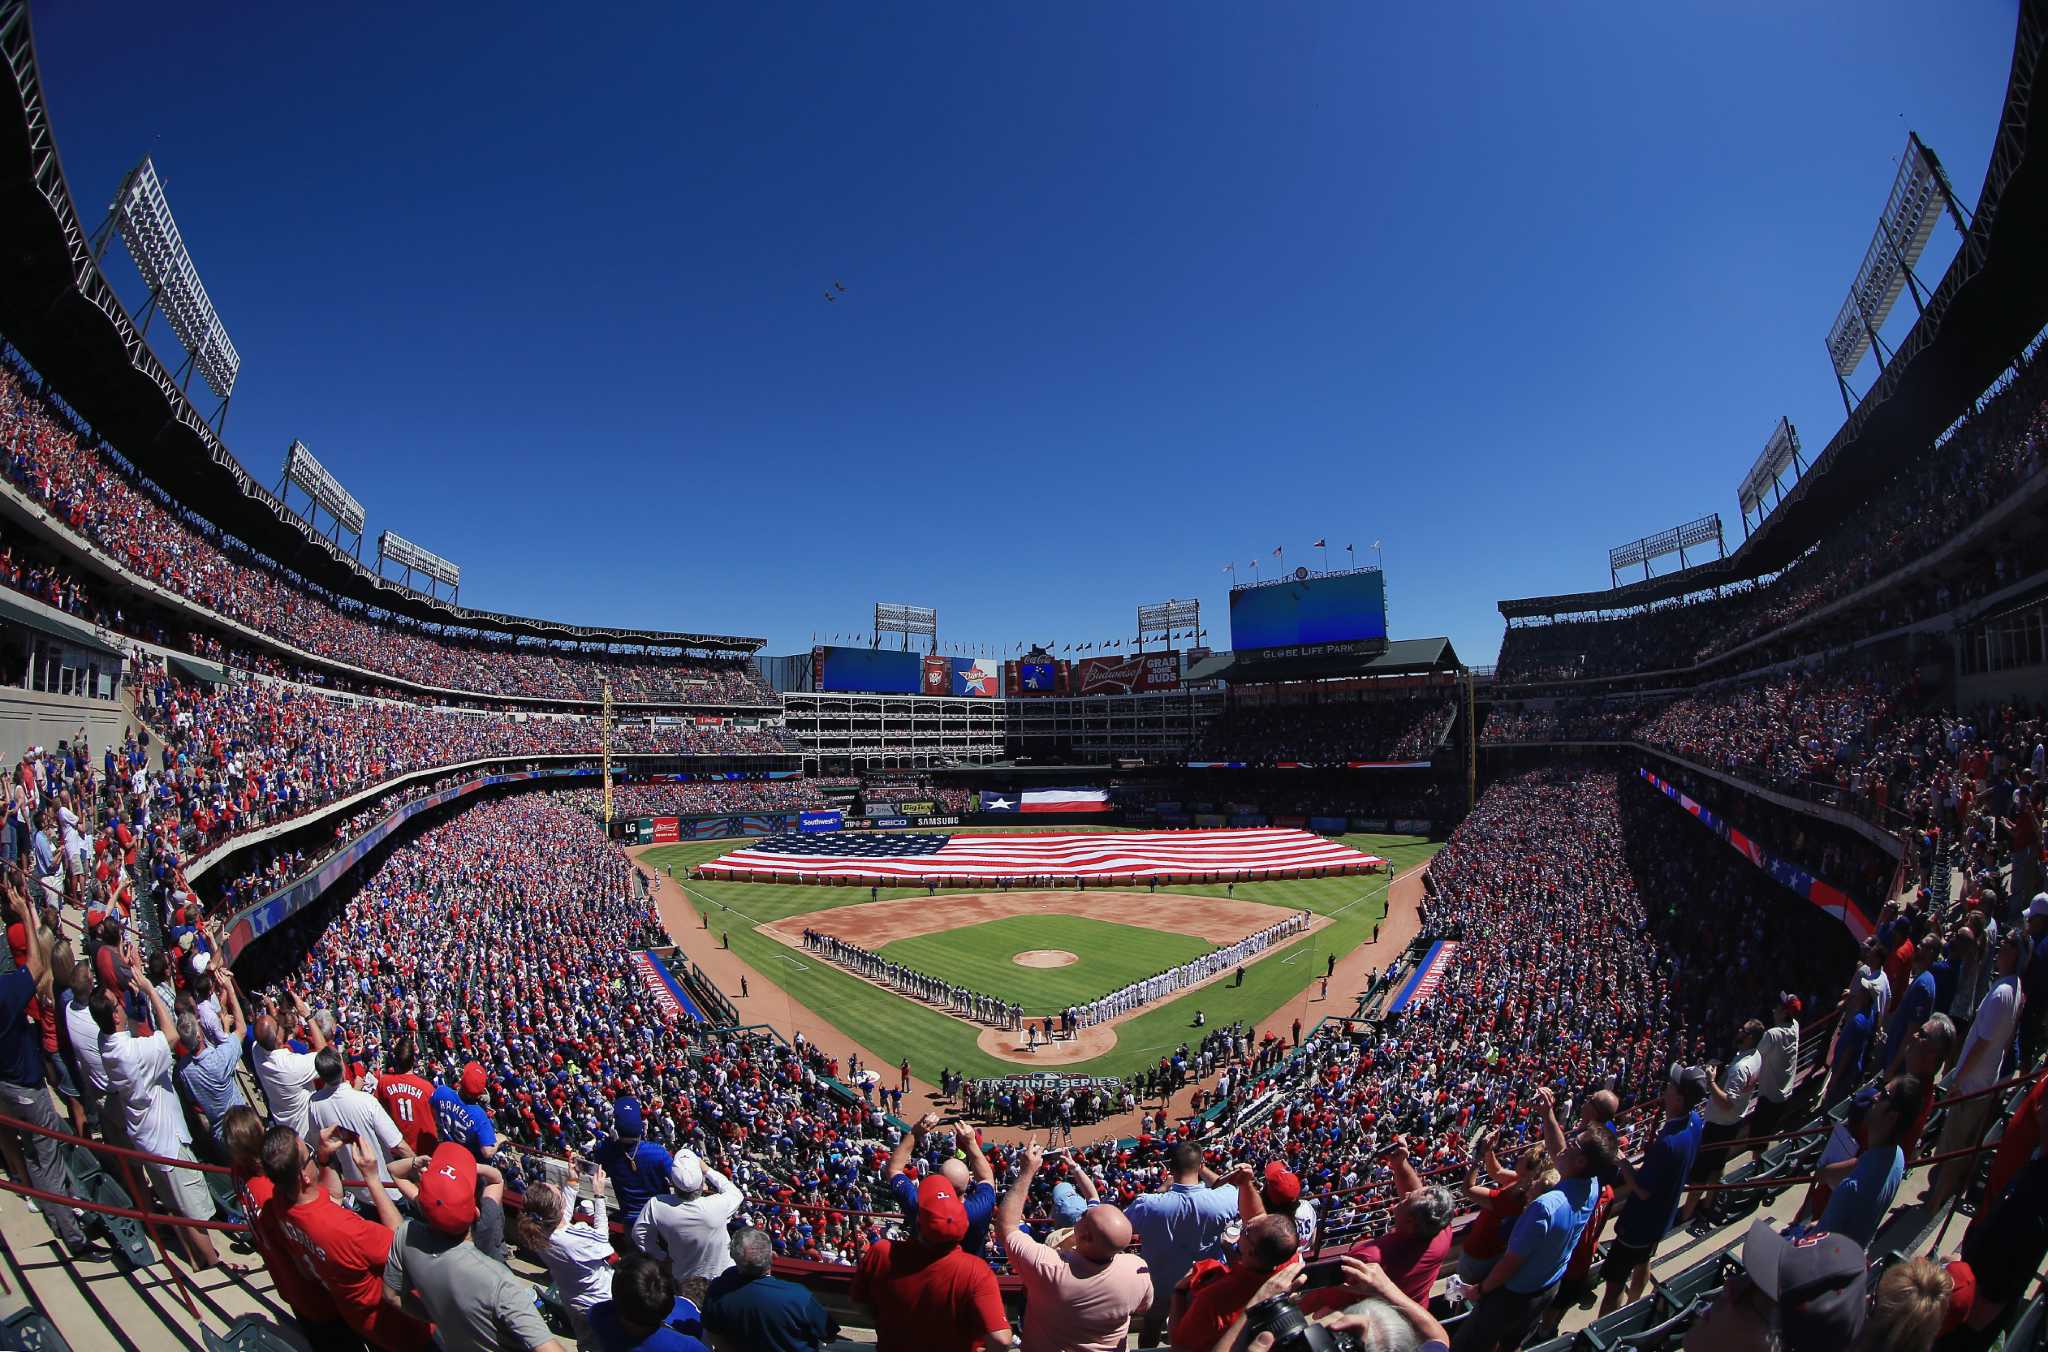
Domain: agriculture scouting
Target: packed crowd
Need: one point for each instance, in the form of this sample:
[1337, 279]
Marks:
[665, 799]
[1926, 502]
[89, 490]
[1312, 734]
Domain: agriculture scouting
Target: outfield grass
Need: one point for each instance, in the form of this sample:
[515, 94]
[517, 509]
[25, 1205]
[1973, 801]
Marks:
[1112, 956]
[893, 1027]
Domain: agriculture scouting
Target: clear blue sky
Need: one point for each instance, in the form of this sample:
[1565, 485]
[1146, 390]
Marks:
[1133, 290]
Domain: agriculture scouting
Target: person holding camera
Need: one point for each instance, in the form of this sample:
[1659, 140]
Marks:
[1366, 1309]
[1214, 1294]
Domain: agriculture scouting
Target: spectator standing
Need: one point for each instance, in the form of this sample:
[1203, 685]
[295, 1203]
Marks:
[643, 1312]
[283, 1073]
[1211, 1297]
[1525, 1280]
[334, 1248]
[1412, 1253]
[927, 1293]
[973, 1180]
[1081, 1296]
[638, 1167]
[1984, 1051]
[2007, 1242]
[1778, 1069]
[1176, 1226]
[2034, 982]
[688, 1226]
[337, 1103]
[24, 1094]
[435, 1273]
[1650, 1195]
[209, 1073]
[140, 1089]
[460, 1116]
[750, 1309]
[405, 1097]
[1864, 1186]
[1730, 1096]
[575, 1248]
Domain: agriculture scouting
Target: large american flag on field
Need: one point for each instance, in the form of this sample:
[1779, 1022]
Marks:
[1252, 853]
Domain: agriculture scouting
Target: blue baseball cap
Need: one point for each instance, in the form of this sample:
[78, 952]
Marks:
[626, 1117]
[1067, 1204]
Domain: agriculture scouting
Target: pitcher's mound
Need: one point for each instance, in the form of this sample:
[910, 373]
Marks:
[1010, 1044]
[1045, 957]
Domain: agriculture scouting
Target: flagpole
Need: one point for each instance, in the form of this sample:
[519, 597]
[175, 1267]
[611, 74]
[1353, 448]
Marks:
[1326, 556]
[1351, 557]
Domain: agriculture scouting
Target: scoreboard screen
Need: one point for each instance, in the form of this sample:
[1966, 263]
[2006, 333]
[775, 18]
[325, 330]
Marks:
[1309, 612]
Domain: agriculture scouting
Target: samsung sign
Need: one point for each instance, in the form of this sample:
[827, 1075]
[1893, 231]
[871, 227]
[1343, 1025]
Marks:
[818, 821]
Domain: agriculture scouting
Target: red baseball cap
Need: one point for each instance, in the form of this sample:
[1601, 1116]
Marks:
[17, 940]
[448, 1189]
[1962, 1295]
[1282, 1187]
[940, 1215]
[473, 1080]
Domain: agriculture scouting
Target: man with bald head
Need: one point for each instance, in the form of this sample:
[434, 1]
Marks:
[1083, 1294]
[972, 1179]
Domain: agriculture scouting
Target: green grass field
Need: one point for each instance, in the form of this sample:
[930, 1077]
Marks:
[1111, 956]
[893, 1027]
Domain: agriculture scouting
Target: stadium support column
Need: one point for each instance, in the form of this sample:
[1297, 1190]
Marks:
[1471, 745]
[605, 756]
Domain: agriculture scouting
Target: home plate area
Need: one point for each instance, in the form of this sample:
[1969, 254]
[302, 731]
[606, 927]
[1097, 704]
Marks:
[1044, 952]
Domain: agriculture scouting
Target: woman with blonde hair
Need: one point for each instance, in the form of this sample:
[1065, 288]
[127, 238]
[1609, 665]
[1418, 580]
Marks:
[577, 1252]
[1909, 1309]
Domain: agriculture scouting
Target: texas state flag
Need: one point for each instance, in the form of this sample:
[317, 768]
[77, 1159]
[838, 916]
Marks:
[992, 801]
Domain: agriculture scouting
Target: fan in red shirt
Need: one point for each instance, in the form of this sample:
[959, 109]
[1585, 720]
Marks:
[926, 1292]
[1211, 1297]
[333, 1247]
[404, 1096]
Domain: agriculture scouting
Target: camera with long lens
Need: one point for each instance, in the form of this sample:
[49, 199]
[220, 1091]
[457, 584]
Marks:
[1293, 1332]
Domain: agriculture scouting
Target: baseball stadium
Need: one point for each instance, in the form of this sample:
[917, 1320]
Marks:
[1341, 950]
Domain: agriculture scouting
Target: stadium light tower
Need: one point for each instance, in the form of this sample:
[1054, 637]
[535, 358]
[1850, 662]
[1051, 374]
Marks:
[395, 548]
[143, 219]
[1919, 192]
[322, 491]
[909, 621]
[1780, 453]
[1168, 620]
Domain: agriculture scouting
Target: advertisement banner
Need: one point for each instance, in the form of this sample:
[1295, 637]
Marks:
[975, 678]
[1247, 819]
[664, 830]
[1125, 675]
[878, 810]
[1294, 823]
[1326, 826]
[883, 822]
[938, 821]
[1376, 826]
[920, 808]
[1411, 826]
[1208, 819]
[818, 821]
[1036, 678]
[643, 831]
[938, 676]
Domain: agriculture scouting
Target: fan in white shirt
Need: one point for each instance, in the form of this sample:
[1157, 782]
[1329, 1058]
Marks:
[141, 1093]
[689, 1225]
[335, 1103]
[286, 1075]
